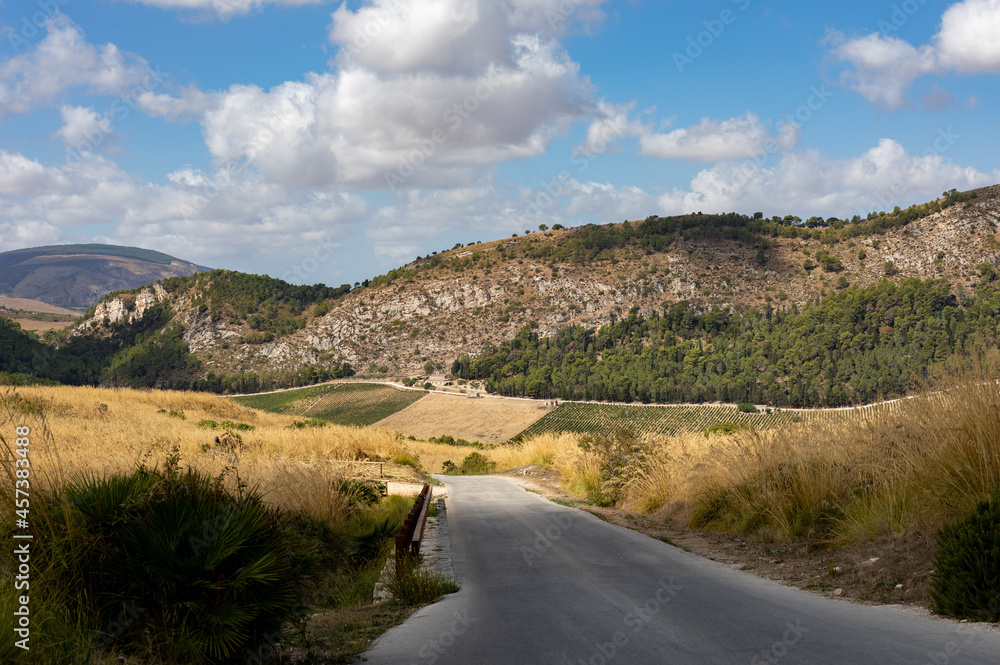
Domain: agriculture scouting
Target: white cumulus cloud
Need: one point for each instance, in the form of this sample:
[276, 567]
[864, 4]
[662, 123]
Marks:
[84, 128]
[224, 9]
[405, 107]
[809, 182]
[65, 60]
[882, 67]
[742, 137]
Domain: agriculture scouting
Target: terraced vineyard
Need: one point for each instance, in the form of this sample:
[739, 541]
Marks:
[585, 418]
[341, 403]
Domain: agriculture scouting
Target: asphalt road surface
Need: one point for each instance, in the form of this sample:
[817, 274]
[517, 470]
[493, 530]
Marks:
[541, 583]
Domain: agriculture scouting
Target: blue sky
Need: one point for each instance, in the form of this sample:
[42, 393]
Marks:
[330, 142]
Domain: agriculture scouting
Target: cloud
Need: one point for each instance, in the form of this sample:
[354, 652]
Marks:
[808, 182]
[967, 40]
[939, 100]
[93, 192]
[411, 108]
[27, 233]
[84, 128]
[190, 104]
[882, 67]
[453, 36]
[224, 9]
[64, 60]
[715, 141]
[611, 123]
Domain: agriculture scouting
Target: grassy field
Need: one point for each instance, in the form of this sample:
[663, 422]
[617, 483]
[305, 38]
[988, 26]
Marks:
[836, 476]
[78, 433]
[340, 403]
[670, 420]
[487, 420]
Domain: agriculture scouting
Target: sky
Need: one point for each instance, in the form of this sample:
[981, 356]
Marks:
[330, 142]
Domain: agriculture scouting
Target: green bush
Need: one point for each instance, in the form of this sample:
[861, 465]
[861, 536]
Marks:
[311, 422]
[226, 424]
[476, 463]
[747, 408]
[161, 565]
[363, 492]
[723, 428]
[210, 570]
[966, 579]
[409, 585]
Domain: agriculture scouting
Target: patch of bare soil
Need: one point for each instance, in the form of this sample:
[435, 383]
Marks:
[884, 572]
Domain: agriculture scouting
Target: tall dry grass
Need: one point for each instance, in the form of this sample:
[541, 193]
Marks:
[915, 464]
[102, 431]
[925, 461]
[78, 432]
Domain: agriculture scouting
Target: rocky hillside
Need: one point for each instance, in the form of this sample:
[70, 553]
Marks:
[77, 276]
[453, 302]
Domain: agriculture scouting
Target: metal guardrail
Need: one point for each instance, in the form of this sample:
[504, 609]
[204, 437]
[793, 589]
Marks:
[412, 532]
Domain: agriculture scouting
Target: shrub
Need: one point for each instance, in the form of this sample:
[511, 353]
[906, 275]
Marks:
[966, 580]
[609, 465]
[409, 585]
[211, 572]
[473, 464]
[723, 428]
[311, 422]
[225, 425]
[477, 463]
[406, 459]
[747, 408]
[365, 492]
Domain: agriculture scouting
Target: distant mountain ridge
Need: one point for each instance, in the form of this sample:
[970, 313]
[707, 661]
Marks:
[228, 331]
[77, 276]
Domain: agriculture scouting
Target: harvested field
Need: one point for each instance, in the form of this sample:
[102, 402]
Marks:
[28, 305]
[487, 420]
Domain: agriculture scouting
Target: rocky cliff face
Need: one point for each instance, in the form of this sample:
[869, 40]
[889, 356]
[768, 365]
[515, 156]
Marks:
[127, 308]
[437, 313]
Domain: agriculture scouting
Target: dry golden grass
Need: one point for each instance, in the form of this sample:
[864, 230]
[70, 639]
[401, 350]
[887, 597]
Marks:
[925, 461]
[915, 466]
[99, 430]
[487, 420]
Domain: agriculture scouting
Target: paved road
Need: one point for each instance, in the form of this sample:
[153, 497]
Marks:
[546, 584]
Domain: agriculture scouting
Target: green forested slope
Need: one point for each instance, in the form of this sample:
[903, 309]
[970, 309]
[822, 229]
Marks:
[854, 346]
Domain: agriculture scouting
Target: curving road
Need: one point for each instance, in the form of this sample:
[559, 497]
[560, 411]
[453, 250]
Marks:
[546, 584]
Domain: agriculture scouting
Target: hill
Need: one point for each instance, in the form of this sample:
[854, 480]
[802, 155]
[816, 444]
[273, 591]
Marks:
[740, 302]
[77, 276]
